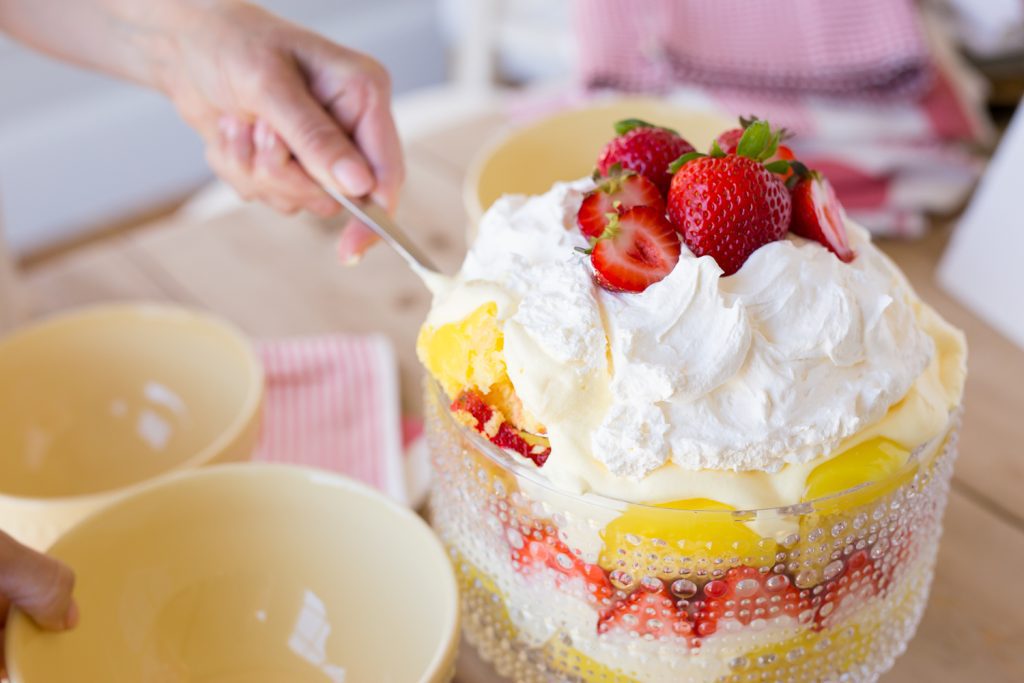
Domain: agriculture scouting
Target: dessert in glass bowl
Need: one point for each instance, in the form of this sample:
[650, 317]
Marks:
[688, 423]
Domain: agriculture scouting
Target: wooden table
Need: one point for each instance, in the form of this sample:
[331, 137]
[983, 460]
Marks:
[278, 277]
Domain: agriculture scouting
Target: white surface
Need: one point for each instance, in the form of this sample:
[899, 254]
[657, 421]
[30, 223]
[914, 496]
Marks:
[989, 28]
[78, 149]
[524, 40]
[982, 265]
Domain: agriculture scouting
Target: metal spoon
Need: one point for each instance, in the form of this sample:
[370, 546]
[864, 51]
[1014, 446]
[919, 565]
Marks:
[371, 213]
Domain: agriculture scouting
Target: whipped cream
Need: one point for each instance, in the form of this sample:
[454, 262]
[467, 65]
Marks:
[777, 364]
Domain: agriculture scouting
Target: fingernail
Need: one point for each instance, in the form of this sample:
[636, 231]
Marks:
[71, 618]
[348, 255]
[355, 180]
[351, 260]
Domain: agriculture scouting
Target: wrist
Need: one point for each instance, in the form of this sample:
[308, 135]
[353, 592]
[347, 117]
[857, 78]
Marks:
[157, 33]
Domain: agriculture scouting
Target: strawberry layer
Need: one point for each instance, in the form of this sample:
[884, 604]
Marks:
[548, 594]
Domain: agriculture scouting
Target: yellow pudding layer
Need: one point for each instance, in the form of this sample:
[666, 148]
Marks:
[667, 532]
[468, 355]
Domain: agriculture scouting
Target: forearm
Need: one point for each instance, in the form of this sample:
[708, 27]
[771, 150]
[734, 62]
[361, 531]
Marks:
[133, 39]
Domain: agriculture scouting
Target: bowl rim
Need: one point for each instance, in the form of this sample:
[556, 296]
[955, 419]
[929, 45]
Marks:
[249, 409]
[438, 401]
[509, 132]
[447, 648]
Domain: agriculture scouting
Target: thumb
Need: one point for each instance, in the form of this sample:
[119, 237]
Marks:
[316, 138]
[38, 585]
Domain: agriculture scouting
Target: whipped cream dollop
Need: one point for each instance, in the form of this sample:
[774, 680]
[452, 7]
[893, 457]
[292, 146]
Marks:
[776, 364]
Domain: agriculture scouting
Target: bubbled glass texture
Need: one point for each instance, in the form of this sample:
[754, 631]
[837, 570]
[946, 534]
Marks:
[558, 587]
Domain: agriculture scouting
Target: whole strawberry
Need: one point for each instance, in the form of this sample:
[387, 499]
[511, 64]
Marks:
[646, 149]
[728, 205]
[730, 140]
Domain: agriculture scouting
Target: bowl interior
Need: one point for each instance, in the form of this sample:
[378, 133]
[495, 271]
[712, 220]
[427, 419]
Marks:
[249, 573]
[565, 147]
[104, 398]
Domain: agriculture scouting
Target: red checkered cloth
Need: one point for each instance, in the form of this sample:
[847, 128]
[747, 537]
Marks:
[869, 48]
[332, 402]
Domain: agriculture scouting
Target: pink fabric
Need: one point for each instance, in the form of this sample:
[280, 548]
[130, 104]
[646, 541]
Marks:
[332, 402]
[868, 48]
[412, 430]
[881, 107]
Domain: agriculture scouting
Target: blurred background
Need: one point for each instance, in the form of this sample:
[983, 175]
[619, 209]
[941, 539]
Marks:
[81, 153]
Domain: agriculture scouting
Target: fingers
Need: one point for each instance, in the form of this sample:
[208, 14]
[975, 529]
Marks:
[365, 111]
[314, 136]
[5, 607]
[283, 182]
[236, 139]
[355, 239]
[274, 167]
[39, 585]
[254, 160]
[363, 108]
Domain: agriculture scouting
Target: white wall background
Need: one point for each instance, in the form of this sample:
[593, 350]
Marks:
[78, 150]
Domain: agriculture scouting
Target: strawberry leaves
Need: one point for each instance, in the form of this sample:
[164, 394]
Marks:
[759, 141]
[682, 161]
[626, 125]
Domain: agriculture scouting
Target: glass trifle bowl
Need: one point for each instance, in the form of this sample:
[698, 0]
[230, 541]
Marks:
[560, 586]
[702, 434]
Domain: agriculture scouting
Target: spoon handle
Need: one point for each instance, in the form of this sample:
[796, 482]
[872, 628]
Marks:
[377, 219]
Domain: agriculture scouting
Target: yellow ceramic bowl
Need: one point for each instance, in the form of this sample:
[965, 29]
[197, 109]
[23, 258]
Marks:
[565, 147]
[95, 402]
[250, 573]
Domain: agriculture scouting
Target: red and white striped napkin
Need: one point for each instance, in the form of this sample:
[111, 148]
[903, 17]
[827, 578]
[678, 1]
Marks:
[332, 402]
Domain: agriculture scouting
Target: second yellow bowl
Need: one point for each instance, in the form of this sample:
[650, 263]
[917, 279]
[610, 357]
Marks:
[98, 401]
[564, 146]
[250, 573]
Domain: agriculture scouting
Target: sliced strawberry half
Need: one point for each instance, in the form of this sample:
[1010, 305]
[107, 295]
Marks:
[859, 580]
[638, 248]
[818, 215]
[745, 594]
[476, 413]
[649, 611]
[541, 550]
[618, 191]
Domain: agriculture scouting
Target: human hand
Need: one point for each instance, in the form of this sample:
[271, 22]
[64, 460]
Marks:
[38, 585]
[278, 106]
